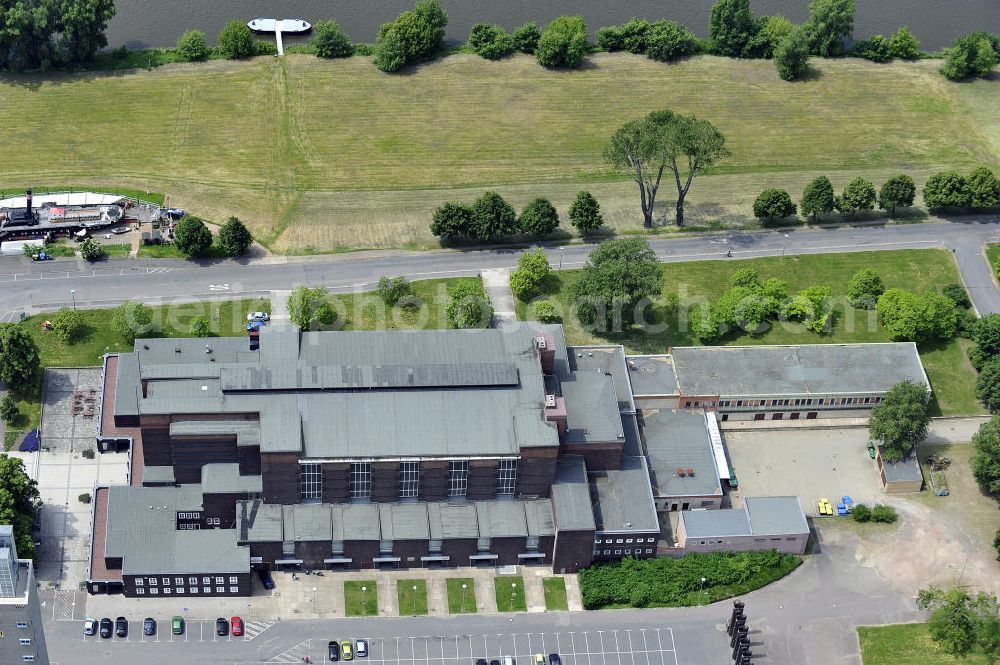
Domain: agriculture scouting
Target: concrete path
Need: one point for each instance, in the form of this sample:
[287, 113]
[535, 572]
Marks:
[279, 308]
[497, 284]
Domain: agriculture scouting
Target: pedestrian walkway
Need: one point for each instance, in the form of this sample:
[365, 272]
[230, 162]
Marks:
[279, 308]
[497, 284]
[322, 596]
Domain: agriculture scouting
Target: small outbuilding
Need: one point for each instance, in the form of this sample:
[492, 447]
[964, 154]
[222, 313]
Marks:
[765, 523]
[900, 477]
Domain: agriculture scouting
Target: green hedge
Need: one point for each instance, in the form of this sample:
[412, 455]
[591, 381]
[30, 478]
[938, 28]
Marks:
[669, 582]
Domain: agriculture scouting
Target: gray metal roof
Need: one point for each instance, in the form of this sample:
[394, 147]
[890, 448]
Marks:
[812, 369]
[247, 432]
[404, 521]
[776, 516]
[226, 479]
[715, 523]
[501, 519]
[452, 520]
[538, 515]
[622, 498]
[571, 495]
[904, 470]
[449, 393]
[607, 359]
[304, 522]
[258, 522]
[142, 531]
[678, 439]
[158, 475]
[361, 521]
[592, 413]
[652, 375]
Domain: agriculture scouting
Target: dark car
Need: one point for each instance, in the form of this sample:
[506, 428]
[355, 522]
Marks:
[121, 627]
[265, 578]
[480, 661]
[333, 651]
[106, 627]
[221, 626]
[149, 626]
[494, 662]
[554, 659]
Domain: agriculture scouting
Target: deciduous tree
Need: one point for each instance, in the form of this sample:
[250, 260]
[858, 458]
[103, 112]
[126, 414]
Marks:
[330, 40]
[904, 45]
[900, 422]
[961, 622]
[947, 189]
[731, 28]
[668, 40]
[532, 270]
[68, 325]
[311, 308]
[620, 277]
[985, 460]
[468, 305]
[830, 25]
[897, 192]
[91, 250]
[8, 409]
[234, 237]
[452, 220]
[19, 502]
[538, 218]
[585, 214]
[200, 327]
[236, 40]
[192, 46]
[859, 195]
[392, 290]
[19, 359]
[132, 319]
[983, 188]
[864, 288]
[491, 41]
[191, 236]
[791, 55]
[818, 197]
[492, 217]
[772, 204]
[988, 385]
[971, 56]
[526, 37]
[563, 43]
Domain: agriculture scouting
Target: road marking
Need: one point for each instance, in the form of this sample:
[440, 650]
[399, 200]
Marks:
[218, 287]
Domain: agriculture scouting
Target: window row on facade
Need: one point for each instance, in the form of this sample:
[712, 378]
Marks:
[622, 541]
[179, 581]
[408, 480]
[799, 401]
[627, 551]
[181, 591]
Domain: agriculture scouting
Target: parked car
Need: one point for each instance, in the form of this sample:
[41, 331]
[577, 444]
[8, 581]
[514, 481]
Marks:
[106, 627]
[333, 651]
[265, 578]
[221, 627]
[89, 626]
[480, 661]
[538, 659]
[361, 649]
[41, 256]
[346, 650]
[121, 627]
[258, 316]
[494, 662]
[237, 624]
[177, 625]
[149, 626]
[554, 659]
[118, 230]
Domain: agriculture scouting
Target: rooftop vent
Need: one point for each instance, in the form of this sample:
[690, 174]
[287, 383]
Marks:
[540, 342]
[208, 349]
[177, 349]
[680, 472]
[145, 346]
[690, 472]
[550, 401]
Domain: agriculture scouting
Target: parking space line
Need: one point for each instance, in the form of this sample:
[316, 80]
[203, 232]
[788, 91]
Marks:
[673, 647]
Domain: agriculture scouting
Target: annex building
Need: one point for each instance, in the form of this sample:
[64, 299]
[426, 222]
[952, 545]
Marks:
[349, 450]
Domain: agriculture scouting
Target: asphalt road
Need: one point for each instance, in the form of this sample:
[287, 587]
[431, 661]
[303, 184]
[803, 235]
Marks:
[34, 286]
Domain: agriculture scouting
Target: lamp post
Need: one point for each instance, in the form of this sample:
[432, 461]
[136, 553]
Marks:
[364, 599]
[464, 587]
[72, 293]
[561, 248]
[414, 600]
[783, 244]
[702, 590]
[513, 590]
[314, 600]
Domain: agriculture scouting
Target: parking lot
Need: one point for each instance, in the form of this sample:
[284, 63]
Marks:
[643, 646]
[810, 464]
[194, 631]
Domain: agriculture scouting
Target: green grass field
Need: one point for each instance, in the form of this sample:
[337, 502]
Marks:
[319, 155]
[510, 593]
[555, 593]
[367, 311]
[358, 603]
[460, 602]
[906, 644]
[948, 368]
[411, 603]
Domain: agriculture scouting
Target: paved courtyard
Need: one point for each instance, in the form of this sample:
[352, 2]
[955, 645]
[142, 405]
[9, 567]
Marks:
[63, 474]
[810, 464]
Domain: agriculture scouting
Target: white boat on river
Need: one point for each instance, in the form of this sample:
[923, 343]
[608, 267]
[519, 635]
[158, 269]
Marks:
[291, 26]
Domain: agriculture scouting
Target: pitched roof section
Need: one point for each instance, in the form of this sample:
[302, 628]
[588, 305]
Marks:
[813, 369]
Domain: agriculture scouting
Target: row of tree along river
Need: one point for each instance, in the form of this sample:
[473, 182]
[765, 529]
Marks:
[145, 23]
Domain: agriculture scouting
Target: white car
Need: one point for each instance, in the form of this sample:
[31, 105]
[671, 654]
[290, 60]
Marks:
[361, 648]
[90, 626]
[258, 316]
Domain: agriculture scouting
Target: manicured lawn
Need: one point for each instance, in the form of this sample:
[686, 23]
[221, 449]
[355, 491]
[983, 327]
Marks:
[29, 404]
[460, 602]
[253, 141]
[117, 251]
[171, 252]
[226, 318]
[411, 602]
[510, 593]
[358, 603]
[689, 284]
[367, 311]
[905, 644]
[555, 593]
[993, 254]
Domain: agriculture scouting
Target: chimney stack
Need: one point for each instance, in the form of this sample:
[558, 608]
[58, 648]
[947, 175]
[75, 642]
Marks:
[27, 205]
